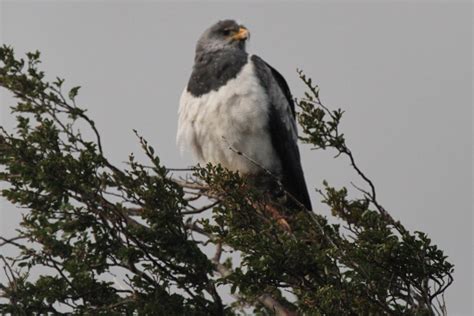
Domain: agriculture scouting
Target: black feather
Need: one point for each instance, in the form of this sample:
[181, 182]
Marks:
[213, 70]
[281, 134]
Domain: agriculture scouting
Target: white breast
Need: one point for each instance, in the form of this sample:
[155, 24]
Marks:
[236, 115]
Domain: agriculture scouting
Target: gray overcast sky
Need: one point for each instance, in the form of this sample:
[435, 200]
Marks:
[402, 71]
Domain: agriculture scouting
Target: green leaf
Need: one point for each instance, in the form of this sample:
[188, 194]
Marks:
[73, 92]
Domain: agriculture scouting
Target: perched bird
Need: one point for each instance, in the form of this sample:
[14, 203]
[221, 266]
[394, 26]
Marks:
[238, 111]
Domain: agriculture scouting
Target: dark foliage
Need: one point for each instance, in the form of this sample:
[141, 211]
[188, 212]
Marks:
[133, 239]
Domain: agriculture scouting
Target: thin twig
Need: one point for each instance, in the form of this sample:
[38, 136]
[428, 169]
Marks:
[11, 241]
[201, 209]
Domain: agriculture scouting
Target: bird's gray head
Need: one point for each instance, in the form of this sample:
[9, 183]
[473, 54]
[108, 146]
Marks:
[224, 35]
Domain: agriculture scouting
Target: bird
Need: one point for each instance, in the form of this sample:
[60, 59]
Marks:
[237, 111]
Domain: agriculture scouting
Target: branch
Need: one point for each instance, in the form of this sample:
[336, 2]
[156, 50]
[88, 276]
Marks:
[269, 302]
[265, 299]
[201, 209]
[342, 148]
[12, 241]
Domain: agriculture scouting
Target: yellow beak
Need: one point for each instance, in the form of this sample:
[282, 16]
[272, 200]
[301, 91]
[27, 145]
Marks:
[242, 34]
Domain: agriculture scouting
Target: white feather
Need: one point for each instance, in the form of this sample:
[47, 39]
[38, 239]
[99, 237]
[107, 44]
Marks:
[237, 115]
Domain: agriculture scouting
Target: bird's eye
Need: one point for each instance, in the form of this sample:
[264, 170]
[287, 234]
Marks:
[226, 32]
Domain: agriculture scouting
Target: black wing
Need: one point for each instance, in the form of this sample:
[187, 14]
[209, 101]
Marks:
[282, 127]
